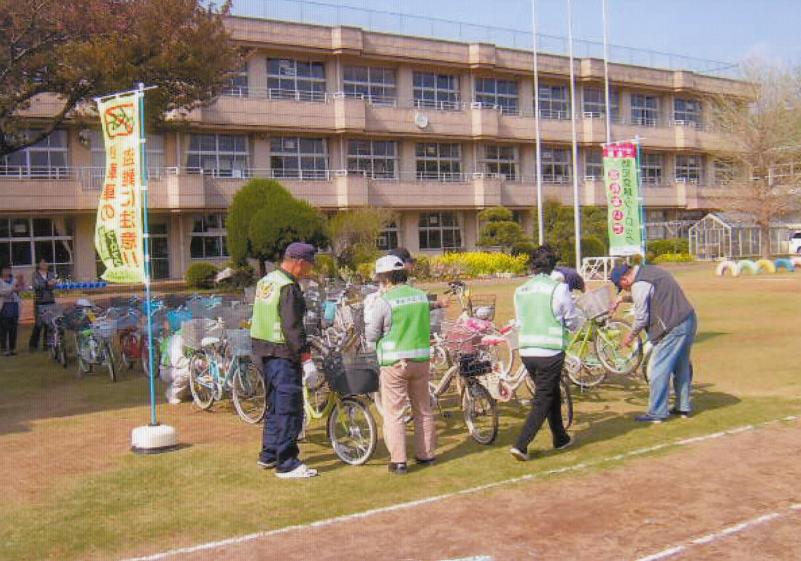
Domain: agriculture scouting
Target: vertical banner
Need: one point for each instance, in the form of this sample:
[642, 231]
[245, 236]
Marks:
[118, 231]
[623, 199]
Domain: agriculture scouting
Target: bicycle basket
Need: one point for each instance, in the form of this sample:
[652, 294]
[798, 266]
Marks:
[459, 338]
[104, 328]
[358, 375]
[239, 341]
[473, 364]
[235, 318]
[50, 312]
[76, 320]
[596, 302]
[195, 330]
[483, 306]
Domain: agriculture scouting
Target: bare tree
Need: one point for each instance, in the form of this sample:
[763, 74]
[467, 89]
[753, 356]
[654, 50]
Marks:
[760, 168]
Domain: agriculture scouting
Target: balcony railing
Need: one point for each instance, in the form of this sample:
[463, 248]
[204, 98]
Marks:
[514, 111]
[277, 93]
[91, 178]
[35, 172]
[438, 105]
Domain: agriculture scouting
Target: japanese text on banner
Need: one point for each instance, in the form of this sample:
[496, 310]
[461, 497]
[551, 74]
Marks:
[118, 232]
[623, 199]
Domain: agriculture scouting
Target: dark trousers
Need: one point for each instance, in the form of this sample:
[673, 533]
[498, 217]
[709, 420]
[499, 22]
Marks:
[547, 403]
[284, 419]
[8, 333]
[39, 330]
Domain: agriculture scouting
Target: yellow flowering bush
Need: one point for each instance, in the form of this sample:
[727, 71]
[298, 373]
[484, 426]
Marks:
[477, 264]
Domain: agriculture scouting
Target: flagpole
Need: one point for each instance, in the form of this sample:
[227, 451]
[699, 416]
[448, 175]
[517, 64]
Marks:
[537, 143]
[641, 195]
[607, 93]
[576, 201]
[146, 244]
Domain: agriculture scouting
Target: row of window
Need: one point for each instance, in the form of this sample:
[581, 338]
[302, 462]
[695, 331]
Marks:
[306, 80]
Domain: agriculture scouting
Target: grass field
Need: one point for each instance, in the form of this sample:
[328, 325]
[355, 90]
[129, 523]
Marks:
[72, 490]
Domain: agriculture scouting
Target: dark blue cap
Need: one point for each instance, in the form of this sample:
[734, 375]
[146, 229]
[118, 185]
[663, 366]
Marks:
[300, 250]
[617, 274]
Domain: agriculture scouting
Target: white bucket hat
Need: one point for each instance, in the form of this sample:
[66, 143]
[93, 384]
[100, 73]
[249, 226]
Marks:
[387, 264]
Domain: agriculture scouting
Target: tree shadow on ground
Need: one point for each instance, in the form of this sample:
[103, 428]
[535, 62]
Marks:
[707, 335]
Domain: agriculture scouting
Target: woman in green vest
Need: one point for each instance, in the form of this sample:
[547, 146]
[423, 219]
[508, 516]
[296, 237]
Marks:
[398, 323]
[545, 313]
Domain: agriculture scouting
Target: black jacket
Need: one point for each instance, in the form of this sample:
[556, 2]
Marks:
[292, 308]
[42, 294]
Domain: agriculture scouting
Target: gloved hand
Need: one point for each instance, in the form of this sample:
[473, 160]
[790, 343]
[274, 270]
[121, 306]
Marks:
[312, 377]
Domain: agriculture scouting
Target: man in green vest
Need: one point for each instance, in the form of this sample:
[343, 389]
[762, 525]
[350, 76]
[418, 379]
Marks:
[398, 323]
[545, 313]
[280, 347]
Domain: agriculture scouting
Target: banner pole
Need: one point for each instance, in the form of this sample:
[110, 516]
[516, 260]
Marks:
[641, 196]
[537, 141]
[576, 199]
[146, 242]
[607, 93]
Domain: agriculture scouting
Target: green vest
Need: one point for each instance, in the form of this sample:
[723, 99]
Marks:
[409, 337]
[539, 327]
[266, 322]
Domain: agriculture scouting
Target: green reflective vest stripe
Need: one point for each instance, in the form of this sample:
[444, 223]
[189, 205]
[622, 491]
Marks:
[266, 321]
[539, 327]
[409, 337]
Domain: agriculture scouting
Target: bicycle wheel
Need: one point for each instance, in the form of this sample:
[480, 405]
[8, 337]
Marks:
[84, 367]
[565, 396]
[201, 380]
[352, 431]
[249, 393]
[616, 357]
[480, 413]
[584, 374]
[61, 352]
[108, 360]
[501, 353]
[127, 343]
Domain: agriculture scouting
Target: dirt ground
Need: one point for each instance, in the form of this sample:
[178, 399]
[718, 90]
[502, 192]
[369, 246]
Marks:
[631, 512]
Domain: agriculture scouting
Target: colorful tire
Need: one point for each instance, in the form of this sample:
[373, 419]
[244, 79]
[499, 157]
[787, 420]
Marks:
[785, 264]
[729, 266]
[765, 265]
[746, 265]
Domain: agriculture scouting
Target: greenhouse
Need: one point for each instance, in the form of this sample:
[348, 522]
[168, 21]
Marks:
[734, 236]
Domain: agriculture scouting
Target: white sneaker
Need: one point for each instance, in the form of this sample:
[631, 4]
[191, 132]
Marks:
[519, 455]
[301, 472]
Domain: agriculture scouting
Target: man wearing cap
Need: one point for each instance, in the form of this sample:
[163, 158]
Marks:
[398, 323]
[662, 309]
[279, 343]
[545, 313]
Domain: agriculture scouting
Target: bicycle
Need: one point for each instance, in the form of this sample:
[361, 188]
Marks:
[219, 362]
[53, 315]
[350, 426]
[93, 344]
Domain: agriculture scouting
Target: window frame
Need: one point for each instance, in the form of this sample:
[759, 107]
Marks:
[652, 172]
[596, 109]
[592, 176]
[500, 164]
[205, 232]
[391, 234]
[505, 102]
[554, 108]
[306, 87]
[315, 173]
[218, 155]
[691, 114]
[444, 99]
[28, 169]
[378, 90]
[440, 160]
[372, 157]
[429, 232]
[62, 268]
[554, 164]
[690, 170]
[238, 84]
[641, 113]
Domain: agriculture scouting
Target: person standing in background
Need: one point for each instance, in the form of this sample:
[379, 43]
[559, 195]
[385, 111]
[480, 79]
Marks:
[9, 311]
[44, 282]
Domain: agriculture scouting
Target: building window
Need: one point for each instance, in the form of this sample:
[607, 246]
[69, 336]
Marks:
[154, 148]
[689, 169]
[220, 155]
[440, 230]
[498, 93]
[687, 112]
[298, 157]
[388, 237]
[501, 160]
[25, 241]
[554, 102]
[555, 164]
[724, 172]
[595, 103]
[441, 162]
[374, 158]
[651, 168]
[644, 110]
[438, 91]
[294, 79]
[47, 158]
[238, 84]
[593, 164]
[376, 85]
[208, 239]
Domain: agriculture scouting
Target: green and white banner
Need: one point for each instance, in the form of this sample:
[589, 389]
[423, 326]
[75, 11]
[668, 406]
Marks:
[623, 199]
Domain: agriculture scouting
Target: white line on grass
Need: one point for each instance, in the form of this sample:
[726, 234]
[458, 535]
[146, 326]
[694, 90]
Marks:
[428, 500]
[720, 534]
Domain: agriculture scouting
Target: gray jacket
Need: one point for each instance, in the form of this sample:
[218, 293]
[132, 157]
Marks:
[660, 303]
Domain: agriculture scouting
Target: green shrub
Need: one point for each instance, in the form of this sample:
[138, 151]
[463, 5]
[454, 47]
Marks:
[499, 229]
[591, 246]
[325, 266]
[656, 248]
[523, 248]
[422, 267]
[364, 271]
[477, 263]
[673, 258]
[200, 275]
[243, 277]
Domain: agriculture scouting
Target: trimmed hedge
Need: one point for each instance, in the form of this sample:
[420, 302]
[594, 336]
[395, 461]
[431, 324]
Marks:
[201, 275]
[673, 258]
[477, 264]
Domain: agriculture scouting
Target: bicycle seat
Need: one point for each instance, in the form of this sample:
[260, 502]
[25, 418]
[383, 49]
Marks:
[208, 341]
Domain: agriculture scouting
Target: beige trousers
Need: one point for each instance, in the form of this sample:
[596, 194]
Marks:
[401, 383]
